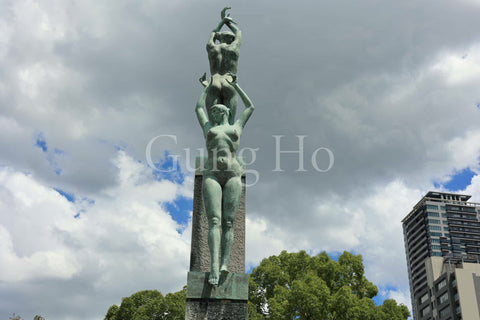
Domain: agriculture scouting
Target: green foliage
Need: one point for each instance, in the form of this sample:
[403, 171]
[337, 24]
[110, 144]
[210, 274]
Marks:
[290, 286]
[150, 305]
[15, 317]
[297, 286]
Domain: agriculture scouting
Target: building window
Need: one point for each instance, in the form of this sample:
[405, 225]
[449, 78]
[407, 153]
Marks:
[436, 254]
[434, 247]
[445, 229]
[443, 297]
[425, 311]
[433, 214]
[442, 284]
[435, 240]
[432, 207]
[435, 234]
[433, 221]
[444, 312]
[424, 298]
[435, 228]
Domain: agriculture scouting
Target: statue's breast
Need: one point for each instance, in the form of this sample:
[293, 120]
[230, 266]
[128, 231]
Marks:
[232, 134]
[223, 133]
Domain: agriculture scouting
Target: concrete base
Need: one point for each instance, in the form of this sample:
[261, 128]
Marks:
[207, 309]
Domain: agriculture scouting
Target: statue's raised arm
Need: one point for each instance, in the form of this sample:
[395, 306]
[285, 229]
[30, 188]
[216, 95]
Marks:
[242, 120]
[200, 112]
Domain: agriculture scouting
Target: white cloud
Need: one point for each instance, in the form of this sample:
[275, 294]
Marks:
[263, 241]
[119, 244]
[458, 69]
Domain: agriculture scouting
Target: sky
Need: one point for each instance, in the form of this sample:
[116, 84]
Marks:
[98, 137]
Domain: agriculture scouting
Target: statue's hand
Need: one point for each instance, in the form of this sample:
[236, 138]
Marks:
[234, 79]
[226, 17]
[227, 20]
[224, 11]
[203, 80]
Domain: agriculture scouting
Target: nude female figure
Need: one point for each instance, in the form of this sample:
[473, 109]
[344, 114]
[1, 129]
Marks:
[222, 184]
[223, 58]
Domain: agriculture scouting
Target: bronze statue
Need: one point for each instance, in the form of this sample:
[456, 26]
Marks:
[222, 184]
[223, 58]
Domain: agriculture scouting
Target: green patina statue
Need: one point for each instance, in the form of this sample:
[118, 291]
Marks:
[222, 184]
[223, 58]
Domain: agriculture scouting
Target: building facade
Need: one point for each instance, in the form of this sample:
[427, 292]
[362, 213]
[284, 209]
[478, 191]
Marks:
[442, 245]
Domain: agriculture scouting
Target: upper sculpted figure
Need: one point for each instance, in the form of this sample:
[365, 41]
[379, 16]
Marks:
[222, 184]
[223, 58]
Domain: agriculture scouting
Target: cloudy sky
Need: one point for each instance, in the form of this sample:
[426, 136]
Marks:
[390, 87]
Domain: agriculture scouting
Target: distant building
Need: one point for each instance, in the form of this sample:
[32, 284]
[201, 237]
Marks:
[442, 245]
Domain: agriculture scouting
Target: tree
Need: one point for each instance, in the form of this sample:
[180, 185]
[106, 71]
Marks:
[15, 317]
[290, 286]
[150, 305]
[298, 286]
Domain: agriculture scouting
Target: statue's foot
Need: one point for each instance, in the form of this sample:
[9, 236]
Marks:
[213, 278]
[224, 269]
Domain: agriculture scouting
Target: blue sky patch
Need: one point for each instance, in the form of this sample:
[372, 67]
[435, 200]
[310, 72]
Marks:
[52, 161]
[460, 180]
[58, 152]
[180, 210]
[69, 196]
[335, 255]
[120, 147]
[381, 296]
[41, 142]
[89, 201]
[169, 168]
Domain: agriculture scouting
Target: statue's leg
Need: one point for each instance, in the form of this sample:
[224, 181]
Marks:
[231, 198]
[229, 98]
[232, 105]
[211, 99]
[212, 198]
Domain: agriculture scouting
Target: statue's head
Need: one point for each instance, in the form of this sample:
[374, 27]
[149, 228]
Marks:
[225, 37]
[219, 112]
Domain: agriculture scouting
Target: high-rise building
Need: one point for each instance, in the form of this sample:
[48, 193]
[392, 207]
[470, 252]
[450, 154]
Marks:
[442, 245]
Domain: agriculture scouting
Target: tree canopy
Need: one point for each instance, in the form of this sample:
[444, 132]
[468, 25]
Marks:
[290, 286]
[298, 286]
[150, 305]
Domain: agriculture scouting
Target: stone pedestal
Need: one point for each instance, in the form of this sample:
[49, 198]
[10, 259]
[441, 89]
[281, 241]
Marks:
[216, 309]
[228, 300]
